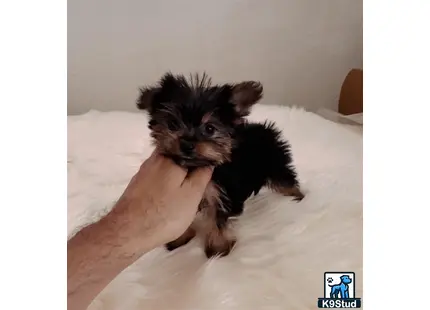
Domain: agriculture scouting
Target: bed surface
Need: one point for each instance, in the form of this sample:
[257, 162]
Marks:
[283, 247]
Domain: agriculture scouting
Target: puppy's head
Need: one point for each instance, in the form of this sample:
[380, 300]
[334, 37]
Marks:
[192, 121]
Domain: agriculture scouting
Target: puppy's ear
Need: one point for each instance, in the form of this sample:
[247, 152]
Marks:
[245, 95]
[146, 98]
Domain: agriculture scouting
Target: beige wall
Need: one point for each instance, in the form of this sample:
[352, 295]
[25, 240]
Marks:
[300, 50]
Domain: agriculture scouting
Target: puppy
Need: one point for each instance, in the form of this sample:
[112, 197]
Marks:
[199, 124]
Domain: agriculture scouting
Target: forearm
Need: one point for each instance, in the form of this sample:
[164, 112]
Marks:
[157, 206]
[99, 252]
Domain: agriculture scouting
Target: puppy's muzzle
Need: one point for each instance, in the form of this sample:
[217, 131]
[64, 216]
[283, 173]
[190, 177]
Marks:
[187, 147]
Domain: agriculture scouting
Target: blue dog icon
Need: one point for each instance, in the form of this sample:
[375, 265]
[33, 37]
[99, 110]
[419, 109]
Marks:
[341, 288]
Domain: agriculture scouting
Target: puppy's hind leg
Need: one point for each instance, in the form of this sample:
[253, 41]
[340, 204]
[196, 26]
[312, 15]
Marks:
[288, 190]
[285, 182]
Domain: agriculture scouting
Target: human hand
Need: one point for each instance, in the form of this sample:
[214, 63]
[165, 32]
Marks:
[162, 198]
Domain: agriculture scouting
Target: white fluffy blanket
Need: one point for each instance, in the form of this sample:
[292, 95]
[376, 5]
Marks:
[283, 247]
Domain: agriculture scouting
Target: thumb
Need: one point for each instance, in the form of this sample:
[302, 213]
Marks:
[197, 180]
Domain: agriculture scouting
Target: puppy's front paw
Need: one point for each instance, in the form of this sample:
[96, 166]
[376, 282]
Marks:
[219, 249]
[170, 246]
[182, 240]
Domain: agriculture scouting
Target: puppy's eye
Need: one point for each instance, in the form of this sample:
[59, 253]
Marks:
[209, 129]
[173, 125]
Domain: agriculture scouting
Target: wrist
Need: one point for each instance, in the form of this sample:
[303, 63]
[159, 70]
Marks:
[128, 229]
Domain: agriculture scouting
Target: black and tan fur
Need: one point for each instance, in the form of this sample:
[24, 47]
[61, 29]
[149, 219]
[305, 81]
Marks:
[199, 124]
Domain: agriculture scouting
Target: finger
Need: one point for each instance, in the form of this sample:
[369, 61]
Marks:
[162, 170]
[171, 173]
[197, 180]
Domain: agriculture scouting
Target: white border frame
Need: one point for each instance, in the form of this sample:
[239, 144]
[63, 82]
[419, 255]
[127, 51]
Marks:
[33, 161]
[396, 154]
[33, 135]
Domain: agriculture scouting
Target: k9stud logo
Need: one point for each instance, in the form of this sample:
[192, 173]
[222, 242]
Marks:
[339, 291]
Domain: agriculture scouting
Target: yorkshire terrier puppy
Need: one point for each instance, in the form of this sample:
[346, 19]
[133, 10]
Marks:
[199, 124]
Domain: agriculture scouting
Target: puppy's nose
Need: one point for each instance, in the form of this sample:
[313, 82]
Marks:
[187, 146]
